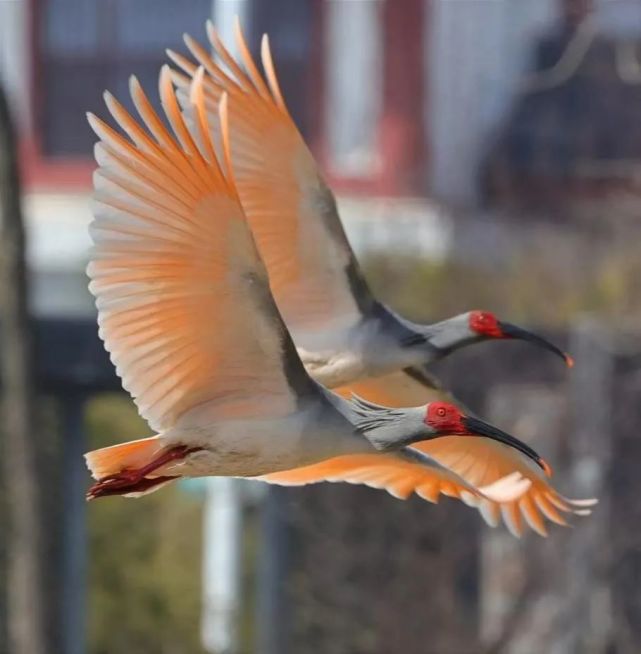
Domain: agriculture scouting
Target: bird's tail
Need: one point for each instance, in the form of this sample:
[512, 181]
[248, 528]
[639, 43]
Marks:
[109, 461]
[132, 469]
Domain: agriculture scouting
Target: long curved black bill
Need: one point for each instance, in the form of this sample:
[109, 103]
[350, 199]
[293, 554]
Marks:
[477, 427]
[512, 331]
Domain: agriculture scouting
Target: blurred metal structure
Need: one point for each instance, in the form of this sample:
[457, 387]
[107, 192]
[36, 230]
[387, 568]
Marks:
[71, 365]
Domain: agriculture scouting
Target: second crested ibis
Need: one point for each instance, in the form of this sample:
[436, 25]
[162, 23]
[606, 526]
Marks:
[342, 331]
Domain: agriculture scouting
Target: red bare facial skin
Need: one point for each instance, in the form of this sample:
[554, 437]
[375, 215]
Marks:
[485, 324]
[444, 418]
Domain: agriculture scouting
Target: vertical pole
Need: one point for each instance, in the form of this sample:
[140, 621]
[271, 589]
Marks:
[588, 624]
[272, 574]
[74, 545]
[221, 566]
[27, 611]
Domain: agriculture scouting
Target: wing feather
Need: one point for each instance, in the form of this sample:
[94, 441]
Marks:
[480, 461]
[399, 475]
[313, 273]
[183, 298]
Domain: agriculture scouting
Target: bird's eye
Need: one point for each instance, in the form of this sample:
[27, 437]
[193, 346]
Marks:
[440, 412]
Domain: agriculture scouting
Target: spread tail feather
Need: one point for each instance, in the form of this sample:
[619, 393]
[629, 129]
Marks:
[132, 469]
[114, 459]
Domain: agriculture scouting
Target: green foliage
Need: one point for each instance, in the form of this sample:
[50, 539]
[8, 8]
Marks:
[145, 556]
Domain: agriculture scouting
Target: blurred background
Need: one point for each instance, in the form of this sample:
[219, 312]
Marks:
[486, 154]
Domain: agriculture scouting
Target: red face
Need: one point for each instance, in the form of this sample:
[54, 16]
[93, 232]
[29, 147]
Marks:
[485, 324]
[444, 418]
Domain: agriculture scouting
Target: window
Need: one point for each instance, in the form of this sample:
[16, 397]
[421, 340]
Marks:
[85, 46]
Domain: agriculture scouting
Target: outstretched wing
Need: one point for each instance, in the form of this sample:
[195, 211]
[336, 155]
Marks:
[400, 474]
[480, 461]
[183, 298]
[314, 276]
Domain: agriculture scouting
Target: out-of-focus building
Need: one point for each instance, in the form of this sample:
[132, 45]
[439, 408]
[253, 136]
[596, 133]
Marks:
[355, 86]
[57, 58]
[401, 102]
[572, 132]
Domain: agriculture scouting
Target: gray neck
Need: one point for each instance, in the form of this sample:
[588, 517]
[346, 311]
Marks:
[448, 335]
[386, 428]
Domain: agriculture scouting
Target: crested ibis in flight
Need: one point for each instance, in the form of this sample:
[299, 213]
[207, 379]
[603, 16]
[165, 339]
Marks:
[186, 312]
[347, 339]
